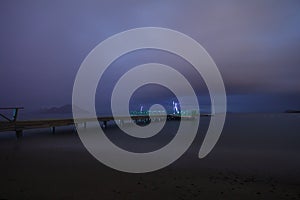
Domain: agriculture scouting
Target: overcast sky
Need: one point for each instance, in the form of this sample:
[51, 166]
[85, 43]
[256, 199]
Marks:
[255, 45]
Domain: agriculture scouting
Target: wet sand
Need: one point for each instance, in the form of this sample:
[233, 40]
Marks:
[257, 157]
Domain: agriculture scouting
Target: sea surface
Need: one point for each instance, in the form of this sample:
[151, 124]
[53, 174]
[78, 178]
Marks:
[256, 157]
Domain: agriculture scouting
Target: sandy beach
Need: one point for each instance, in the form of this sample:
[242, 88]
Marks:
[257, 157]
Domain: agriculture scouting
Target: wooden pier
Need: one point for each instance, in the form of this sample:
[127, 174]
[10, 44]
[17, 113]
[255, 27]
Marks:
[19, 126]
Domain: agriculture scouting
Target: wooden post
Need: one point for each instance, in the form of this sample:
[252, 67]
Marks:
[53, 129]
[15, 114]
[19, 133]
[104, 125]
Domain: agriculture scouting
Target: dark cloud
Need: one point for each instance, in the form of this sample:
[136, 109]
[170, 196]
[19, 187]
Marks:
[255, 44]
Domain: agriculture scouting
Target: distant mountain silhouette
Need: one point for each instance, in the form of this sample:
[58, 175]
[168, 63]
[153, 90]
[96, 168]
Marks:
[292, 111]
[61, 110]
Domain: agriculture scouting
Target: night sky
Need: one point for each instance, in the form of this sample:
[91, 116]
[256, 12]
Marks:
[255, 45]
